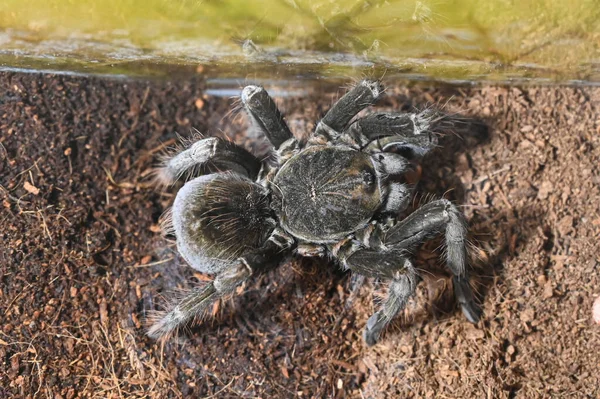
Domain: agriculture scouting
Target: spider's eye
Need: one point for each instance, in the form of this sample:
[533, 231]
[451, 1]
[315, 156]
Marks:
[368, 178]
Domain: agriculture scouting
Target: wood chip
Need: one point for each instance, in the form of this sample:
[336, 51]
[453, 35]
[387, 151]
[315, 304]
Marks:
[473, 333]
[30, 188]
[596, 310]
[548, 290]
[527, 315]
[104, 312]
[285, 372]
[146, 259]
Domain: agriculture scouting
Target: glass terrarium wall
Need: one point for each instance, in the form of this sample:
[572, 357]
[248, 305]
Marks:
[450, 40]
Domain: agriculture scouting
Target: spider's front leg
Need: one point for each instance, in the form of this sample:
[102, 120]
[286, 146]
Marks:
[341, 113]
[386, 265]
[383, 255]
[435, 218]
[209, 155]
[265, 116]
[399, 131]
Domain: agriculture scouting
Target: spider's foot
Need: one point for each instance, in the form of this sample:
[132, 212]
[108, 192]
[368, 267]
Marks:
[471, 312]
[464, 296]
[373, 329]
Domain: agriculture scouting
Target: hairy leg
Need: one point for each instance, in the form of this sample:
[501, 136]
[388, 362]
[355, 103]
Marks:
[400, 289]
[209, 155]
[417, 145]
[346, 108]
[398, 198]
[196, 303]
[265, 116]
[435, 218]
[393, 124]
[389, 265]
[388, 167]
[384, 131]
[311, 250]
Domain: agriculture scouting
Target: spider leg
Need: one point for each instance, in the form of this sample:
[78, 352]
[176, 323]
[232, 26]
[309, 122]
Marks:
[311, 250]
[398, 198]
[264, 114]
[434, 218]
[207, 155]
[346, 108]
[356, 283]
[400, 290]
[392, 124]
[383, 131]
[417, 145]
[196, 303]
[389, 165]
[390, 265]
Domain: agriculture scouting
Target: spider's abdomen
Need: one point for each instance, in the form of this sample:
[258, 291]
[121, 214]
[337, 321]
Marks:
[324, 193]
[218, 218]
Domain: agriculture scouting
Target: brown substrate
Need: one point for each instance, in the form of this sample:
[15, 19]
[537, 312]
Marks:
[82, 260]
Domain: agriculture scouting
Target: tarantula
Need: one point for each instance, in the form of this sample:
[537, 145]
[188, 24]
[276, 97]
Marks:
[337, 194]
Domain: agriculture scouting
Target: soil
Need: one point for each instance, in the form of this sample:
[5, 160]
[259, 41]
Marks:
[83, 260]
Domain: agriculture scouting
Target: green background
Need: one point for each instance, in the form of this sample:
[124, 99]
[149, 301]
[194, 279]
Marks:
[453, 40]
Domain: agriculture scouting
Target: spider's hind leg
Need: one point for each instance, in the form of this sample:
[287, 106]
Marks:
[196, 303]
[431, 219]
[224, 226]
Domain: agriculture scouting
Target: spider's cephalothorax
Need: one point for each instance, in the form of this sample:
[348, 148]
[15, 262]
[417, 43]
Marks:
[337, 194]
